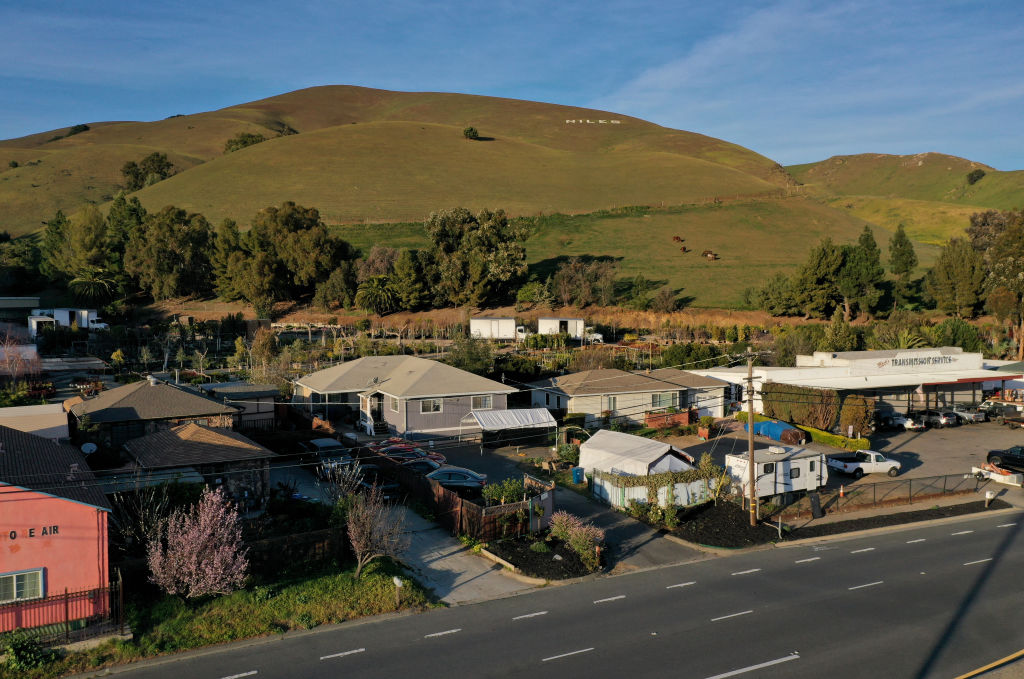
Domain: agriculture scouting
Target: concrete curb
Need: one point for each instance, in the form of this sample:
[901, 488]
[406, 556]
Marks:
[716, 551]
[511, 570]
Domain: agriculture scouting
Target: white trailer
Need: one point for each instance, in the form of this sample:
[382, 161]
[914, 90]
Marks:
[86, 319]
[574, 327]
[780, 470]
[496, 328]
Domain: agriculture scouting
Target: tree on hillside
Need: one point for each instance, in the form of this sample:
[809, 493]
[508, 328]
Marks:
[477, 257]
[815, 289]
[242, 140]
[339, 288]
[54, 256]
[1006, 279]
[471, 133]
[380, 261]
[860, 276]
[776, 297]
[957, 281]
[86, 239]
[253, 278]
[902, 261]
[986, 227]
[407, 281]
[199, 552]
[151, 169]
[225, 243]
[170, 254]
[124, 219]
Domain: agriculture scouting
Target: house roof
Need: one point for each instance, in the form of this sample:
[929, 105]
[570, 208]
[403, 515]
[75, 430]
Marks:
[400, 376]
[240, 390]
[45, 466]
[615, 381]
[48, 420]
[148, 400]
[192, 444]
[500, 420]
[625, 453]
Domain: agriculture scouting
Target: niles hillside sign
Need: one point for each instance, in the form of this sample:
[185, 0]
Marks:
[585, 121]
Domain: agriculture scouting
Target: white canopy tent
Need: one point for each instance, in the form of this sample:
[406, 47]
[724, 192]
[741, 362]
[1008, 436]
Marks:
[525, 418]
[618, 453]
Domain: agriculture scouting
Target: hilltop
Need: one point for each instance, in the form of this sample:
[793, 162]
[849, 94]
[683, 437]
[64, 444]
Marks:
[928, 192]
[362, 154]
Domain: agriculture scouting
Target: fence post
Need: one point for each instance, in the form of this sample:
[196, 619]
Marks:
[944, 477]
[120, 601]
[67, 618]
[910, 491]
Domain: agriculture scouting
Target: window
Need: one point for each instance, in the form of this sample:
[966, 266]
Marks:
[393, 404]
[20, 586]
[769, 468]
[812, 465]
[613, 402]
[430, 405]
[547, 399]
[482, 402]
[794, 473]
[666, 399]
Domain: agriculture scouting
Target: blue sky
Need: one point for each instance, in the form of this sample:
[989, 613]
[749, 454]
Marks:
[795, 81]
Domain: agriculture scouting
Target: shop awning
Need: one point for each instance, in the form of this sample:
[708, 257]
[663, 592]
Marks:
[525, 418]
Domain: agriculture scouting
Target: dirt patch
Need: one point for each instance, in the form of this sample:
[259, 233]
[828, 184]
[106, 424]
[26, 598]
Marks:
[539, 564]
[728, 525]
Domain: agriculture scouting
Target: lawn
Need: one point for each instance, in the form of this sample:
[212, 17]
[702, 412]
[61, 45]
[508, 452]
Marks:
[166, 624]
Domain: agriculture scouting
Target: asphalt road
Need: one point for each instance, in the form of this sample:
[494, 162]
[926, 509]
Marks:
[924, 601]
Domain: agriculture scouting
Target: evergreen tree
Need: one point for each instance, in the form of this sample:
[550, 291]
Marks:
[54, 256]
[957, 281]
[86, 240]
[124, 219]
[815, 289]
[1006, 279]
[839, 335]
[226, 242]
[170, 254]
[902, 261]
[407, 281]
[860, 275]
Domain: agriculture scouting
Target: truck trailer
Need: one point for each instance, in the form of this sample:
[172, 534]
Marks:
[496, 328]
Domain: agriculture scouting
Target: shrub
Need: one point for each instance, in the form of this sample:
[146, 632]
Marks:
[569, 453]
[24, 652]
[835, 440]
[707, 421]
[582, 538]
[470, 133]
[504, 492]
[974, 176]
[540, 547]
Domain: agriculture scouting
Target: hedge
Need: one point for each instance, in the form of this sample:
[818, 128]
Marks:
[835, 440]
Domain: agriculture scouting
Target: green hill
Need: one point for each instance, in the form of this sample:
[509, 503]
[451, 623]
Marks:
[929, 192]
[364, 154]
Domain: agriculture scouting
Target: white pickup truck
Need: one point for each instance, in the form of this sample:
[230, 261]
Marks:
[863, 462]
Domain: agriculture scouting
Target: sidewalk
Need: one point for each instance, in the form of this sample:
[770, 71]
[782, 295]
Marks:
[443, 564]
[634, 545]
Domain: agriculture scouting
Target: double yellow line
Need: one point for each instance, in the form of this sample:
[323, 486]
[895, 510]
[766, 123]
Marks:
[993, 665]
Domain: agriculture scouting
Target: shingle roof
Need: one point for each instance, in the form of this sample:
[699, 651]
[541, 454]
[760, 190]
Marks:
[240, 390]
[148, 401]
[615, 381]
[685, 378]
[192, 444]
[53, 468]
[402, 377]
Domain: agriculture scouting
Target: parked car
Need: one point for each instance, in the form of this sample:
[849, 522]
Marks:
[939, 418]
[458, 478]
[863, 462]
[373, 475]
[968, 415]
[1011, 458]
[893, 420]
[404, 453]
[323, 446]
[422, 465]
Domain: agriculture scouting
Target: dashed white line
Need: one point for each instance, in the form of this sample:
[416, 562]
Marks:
[441, 634]
[963, 532]
[343, 653]
[971, 563]
[813, 558]
[731, 615]
[910, 542]
[566, 655]
[243, 674]
[752, 570]
[530, 615]
[870, 584]
[1006, 525]
[743, 670]
[611, 598]
[866, 549]
[682, 584]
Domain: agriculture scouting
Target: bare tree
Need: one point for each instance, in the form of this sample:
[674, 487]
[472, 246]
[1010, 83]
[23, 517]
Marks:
[374, 529]
[339, 481]
[137, 513]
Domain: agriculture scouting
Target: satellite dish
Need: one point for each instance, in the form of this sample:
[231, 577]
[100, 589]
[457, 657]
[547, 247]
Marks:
[89, 448]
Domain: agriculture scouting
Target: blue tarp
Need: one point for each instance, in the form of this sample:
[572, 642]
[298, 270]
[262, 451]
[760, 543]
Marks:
[771, 428]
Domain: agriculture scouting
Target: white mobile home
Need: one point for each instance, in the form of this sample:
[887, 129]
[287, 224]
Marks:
[779, 470]
[574, 327]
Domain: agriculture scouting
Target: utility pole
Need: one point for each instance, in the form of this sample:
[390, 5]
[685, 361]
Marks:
[750, 437]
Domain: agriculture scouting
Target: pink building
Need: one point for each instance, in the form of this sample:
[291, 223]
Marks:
[53, 534]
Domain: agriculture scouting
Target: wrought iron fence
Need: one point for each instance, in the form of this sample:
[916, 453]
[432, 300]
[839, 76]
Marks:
[67, 617]
[890, 493]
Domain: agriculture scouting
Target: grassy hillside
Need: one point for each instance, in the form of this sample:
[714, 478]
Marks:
[753, 238]
[378, 155]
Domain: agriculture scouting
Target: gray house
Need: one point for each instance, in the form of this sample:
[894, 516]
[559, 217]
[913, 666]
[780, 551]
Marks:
[403, 395]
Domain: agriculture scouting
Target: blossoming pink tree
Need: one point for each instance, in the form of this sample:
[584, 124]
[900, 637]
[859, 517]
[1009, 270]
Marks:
[199, 552]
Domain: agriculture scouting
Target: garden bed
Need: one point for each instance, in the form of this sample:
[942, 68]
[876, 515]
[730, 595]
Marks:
[728, 525]
[539, 564]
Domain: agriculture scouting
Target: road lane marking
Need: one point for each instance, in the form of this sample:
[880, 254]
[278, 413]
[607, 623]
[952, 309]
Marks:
[611, 598]
[731, 615]
[963, 532]
[870, 584]
[343, 653]
[566, 655]
[866, 549]
[971, 563]
[910, 542]
[682, 584]
[743, 670]
[243, 674]
[752, 570]
[530, 615]
[813, 558]
[441, 634]
[1006, 525]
